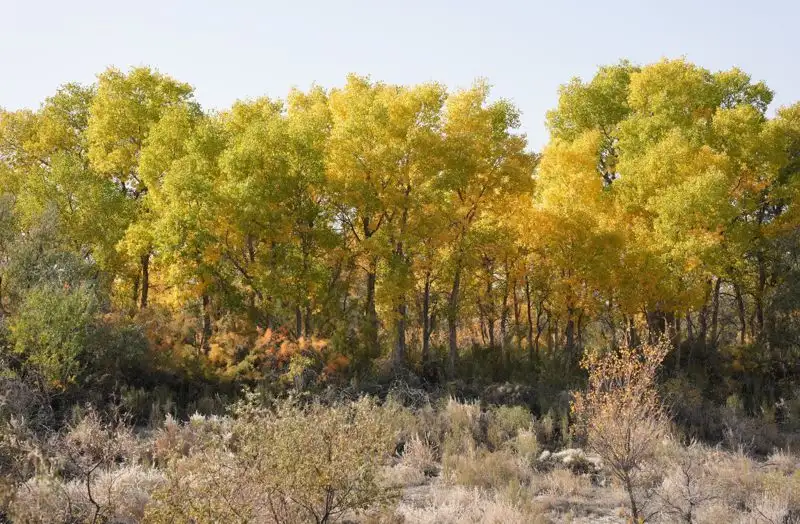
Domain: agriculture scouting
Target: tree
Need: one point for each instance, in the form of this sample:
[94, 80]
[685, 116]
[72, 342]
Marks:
[485, 160]
[123, 111]
[379, 157]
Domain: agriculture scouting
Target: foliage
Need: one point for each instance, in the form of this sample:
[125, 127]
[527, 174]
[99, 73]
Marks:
[621, 413]
[296, 463]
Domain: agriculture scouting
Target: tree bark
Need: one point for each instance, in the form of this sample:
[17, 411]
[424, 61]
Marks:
[741, 312]
[207, 330]
[145, 260]
[504, 314]
[136, 281]
[530, 318]
[298, 322]
[759, 296]
[371, 312]
[426, 320]
[452, 315]
[517, 326]
[400, 348]
[715, 312]
[307, 332]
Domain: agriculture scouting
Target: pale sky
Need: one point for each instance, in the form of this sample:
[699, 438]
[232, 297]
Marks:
[231, 50]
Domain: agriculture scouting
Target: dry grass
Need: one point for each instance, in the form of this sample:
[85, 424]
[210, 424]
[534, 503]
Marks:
[483, 469]
[123, 495]
[458, 504]
[457, 463]
[561, 483]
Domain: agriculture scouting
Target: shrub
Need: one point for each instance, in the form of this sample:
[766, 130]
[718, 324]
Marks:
[486, 470]
[505, 422]
[296, 463]
[687, 487]
[52, 331]
[122, 493]
[561, 483]
[457, 505]
[621, 413]
[464, 426]
[420, 455]
[526, 446]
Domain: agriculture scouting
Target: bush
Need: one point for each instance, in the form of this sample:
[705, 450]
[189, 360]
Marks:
[122, 494]
[621, 413]
[464, 427]
[457, 505]
[483, 469]
[294, 463]
[420, 455]
[687, 487]
[52, 331]
[505, 423]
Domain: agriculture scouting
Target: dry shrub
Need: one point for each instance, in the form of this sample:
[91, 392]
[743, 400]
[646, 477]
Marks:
[420, 455]
[21, 457]
[480, 468]
[561, 483]
[295, 464]
[709, 485]
[121, 493]
[688, 485]
[505, 423]
[526, 446]
[457, 505]
[42, 500]
[784, 462]
[464, 427]
[402, 476]
[93, 453]
[210, 485]
[736, 477]
[622, 415]
[174, 439]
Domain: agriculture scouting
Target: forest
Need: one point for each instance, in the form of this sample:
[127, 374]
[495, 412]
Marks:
[158, 259]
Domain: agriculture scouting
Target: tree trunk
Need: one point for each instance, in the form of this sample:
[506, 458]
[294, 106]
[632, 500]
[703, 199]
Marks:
[530, 317]
[452, 315]
[307, 332]
[145, 279]
[298, 322]
[426, 321]
[490, 318]
[204, 343]
[539, 313]
[371, 313]
[629, 489]
[742, 318]
[633, 339]
[677, 343]
[759, 296]
[504, 314]
[400, 348]
[517, 326]
[136, 281]
[691, 337]
[569, 331]
[715, 313]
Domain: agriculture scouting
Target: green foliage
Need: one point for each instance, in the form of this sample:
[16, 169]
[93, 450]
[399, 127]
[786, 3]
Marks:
[52, 332]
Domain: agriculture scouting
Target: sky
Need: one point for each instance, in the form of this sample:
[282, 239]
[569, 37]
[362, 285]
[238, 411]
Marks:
[245, 49]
